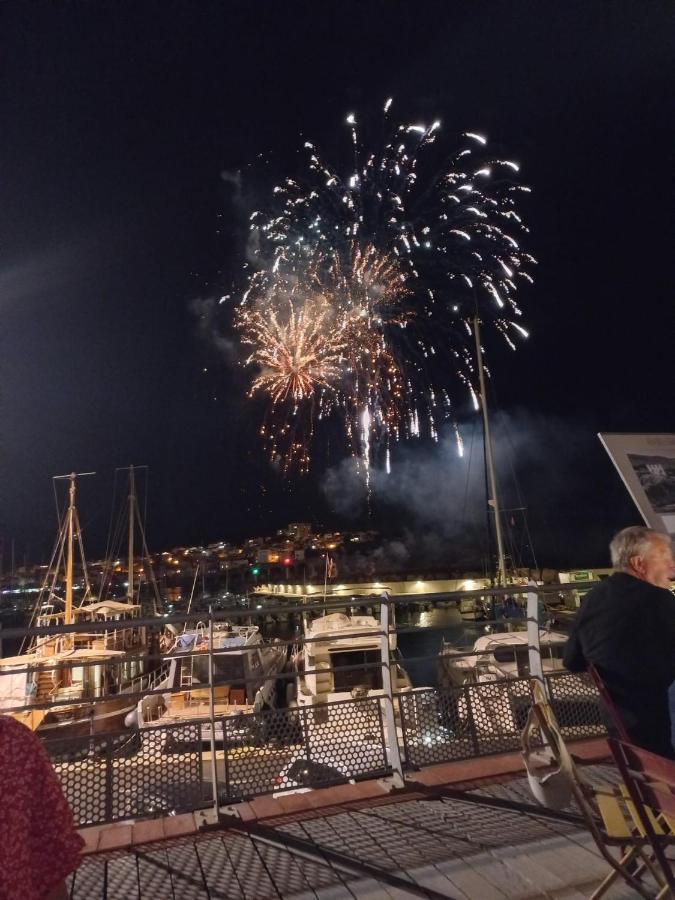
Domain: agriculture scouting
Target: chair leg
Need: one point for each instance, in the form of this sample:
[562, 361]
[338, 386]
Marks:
[604, 885]
[657, 874]
[619, 869]
[664, 866]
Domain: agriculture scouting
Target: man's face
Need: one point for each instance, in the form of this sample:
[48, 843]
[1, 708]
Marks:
[657, 566]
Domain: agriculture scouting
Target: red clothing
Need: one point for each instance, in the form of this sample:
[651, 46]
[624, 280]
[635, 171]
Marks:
[38, 842]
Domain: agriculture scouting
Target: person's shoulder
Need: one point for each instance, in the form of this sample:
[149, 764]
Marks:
[599, 591]
[17, 734]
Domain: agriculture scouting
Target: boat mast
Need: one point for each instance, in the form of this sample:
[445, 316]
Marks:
[71, 518]
[68, 618]
[494, 500]
[132, 504]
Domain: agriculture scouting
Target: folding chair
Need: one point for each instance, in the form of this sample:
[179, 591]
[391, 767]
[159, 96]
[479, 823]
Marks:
[612, 819]
[653, 804]
[650, 784]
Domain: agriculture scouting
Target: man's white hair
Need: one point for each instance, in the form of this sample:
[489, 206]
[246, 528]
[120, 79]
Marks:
[630, 542]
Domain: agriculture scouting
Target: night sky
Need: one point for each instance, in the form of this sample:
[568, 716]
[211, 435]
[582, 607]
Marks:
[122, 124]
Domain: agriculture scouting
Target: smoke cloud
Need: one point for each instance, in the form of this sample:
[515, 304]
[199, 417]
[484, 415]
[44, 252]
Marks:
[209, 328]
[438, 499]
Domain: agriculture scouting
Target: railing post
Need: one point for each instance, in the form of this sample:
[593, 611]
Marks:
[305, 732]
[226, 760]
[470, 718]
[394, 751]
[533, 642]
[212, 718]
[108, 781]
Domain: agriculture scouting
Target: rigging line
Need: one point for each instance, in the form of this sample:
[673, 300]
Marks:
[147, 561]
[516, 483]
[513, 549]
[55, 560]
[56, 502]
[85, 573]
[520, 499]
[475, 528]
[488, 529]
[145, 500]
[112, 514]
[483, 400]
[468, 473]
[114, 542]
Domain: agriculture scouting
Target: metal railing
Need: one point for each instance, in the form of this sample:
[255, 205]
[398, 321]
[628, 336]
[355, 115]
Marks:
[222, 757]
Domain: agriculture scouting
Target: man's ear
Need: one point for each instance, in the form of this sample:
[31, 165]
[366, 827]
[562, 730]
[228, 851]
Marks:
[637, 563]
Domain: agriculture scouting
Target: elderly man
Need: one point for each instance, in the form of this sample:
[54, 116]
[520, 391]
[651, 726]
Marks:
[626, 628]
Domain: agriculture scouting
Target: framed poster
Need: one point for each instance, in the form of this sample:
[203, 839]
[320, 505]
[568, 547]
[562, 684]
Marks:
[646, 463]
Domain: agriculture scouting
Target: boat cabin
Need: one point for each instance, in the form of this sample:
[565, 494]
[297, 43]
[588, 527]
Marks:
[342, 658]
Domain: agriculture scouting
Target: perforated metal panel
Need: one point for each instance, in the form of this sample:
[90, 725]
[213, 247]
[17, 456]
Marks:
[163, 775]
[480, 719]
[473, 720]
[124, 775]
[308, 747]
[576, 704]
[83, 780]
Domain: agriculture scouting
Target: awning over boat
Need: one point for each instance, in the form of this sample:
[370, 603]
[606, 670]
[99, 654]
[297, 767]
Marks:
[115, 606]
[33, 659]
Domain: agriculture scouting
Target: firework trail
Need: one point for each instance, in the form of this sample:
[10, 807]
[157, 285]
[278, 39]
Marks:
[366, 286]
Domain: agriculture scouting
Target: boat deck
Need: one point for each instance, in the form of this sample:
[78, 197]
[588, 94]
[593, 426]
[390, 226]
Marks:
[372, 848]
[199, 711]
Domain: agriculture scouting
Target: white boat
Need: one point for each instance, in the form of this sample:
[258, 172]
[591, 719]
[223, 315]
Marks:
[245, 670]
[341, 660]
[492, 688]
[504, 654]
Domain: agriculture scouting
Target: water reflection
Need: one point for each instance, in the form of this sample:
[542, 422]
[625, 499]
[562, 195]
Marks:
[447, 626]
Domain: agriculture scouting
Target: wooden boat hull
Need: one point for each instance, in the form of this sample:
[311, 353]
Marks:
[85, 719]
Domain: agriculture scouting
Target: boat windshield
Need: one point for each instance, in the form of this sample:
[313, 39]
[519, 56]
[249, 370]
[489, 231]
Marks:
[367, 669]
[520, 656]
[227, 667]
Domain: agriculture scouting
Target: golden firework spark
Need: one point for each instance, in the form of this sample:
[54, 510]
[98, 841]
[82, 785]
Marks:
[297, 348]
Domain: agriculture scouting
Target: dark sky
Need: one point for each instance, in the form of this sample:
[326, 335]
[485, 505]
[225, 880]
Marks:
[117, 122]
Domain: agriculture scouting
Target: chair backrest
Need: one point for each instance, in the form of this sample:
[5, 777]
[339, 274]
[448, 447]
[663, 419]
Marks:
[650, 782]
[649, 778]
[608, 703]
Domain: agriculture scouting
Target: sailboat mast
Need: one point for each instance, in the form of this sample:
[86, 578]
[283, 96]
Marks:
[501, 575]
[68, 620]
[132, 520]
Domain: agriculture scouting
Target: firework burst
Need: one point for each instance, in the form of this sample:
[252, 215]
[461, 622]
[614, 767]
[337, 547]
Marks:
[367, 285]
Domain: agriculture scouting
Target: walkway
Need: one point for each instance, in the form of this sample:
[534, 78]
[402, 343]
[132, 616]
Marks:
[410, 846]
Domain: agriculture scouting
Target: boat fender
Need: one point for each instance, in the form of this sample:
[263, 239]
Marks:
[131, 719]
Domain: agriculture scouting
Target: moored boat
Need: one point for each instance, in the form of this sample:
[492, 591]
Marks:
[245, 670]
[77, 683]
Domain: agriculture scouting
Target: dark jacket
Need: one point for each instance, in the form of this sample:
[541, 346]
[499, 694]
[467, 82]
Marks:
[626, 628]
